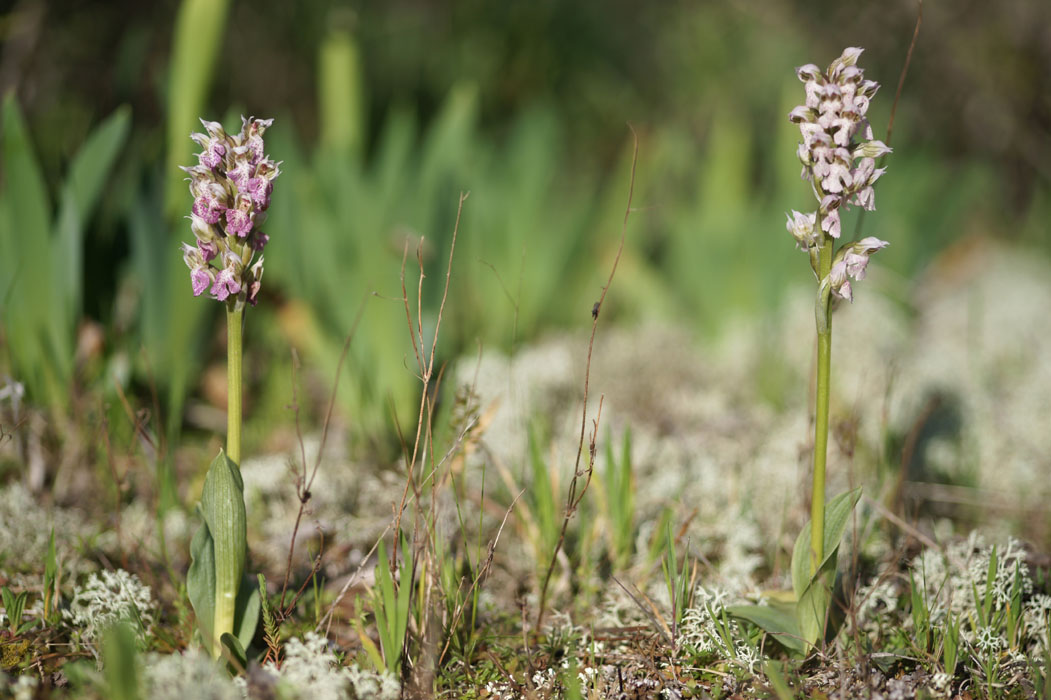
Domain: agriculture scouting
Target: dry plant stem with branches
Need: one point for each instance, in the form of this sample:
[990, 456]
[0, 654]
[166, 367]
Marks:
[412, 493]
[305, 481]
[576, 490]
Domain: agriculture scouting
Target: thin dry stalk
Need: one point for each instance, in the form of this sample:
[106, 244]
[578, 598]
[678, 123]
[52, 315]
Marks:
[576, 490]
[303, 482]
[423, 361]
[897, 98]
[422, 441]
[905, 69]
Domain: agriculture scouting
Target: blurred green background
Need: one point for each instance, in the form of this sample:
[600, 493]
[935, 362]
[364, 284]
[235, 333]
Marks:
[386, 111]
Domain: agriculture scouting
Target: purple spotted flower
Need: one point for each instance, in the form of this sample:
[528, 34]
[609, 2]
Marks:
[838, 153]
[231, 186]
[200, 278]
[210, 202]
[226, 285]
[200, 272]
[239, 219]
[214, 143]
[259, 189]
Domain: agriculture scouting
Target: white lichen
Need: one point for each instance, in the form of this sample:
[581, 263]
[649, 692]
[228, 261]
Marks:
[191, 674]
[107, 598]
[311, 670]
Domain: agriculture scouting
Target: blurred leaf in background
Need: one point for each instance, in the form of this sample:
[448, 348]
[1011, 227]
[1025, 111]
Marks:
[172, 321]
[41, 271]
[199, 29]
[387, 111]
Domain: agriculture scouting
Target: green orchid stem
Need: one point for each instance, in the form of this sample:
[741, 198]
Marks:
[234, 328]
[227, 550]
[823, 318]
[817, 504]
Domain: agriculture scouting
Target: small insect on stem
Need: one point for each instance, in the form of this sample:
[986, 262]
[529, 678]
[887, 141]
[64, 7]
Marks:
[594, 310]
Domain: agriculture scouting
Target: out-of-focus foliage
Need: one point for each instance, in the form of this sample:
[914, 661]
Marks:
[199, 29]
[41, 269]
[387, 111]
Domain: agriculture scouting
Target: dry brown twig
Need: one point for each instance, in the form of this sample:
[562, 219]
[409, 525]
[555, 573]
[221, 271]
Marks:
[575, 496]
[304, 483]
[422, 442]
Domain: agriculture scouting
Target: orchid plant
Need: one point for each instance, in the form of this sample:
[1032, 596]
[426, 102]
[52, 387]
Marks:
[838, 153]
[231, 186]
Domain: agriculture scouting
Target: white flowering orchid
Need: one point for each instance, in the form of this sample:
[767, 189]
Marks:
[838, 153]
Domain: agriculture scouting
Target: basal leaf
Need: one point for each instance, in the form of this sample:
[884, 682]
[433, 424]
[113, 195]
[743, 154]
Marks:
[223, 508]
[778, 621]
[837, 514]
[812, 608]
[246, 616]
[200, 581]
[235, 651]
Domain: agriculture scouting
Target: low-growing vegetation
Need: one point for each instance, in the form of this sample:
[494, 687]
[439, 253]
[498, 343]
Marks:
[482, 439]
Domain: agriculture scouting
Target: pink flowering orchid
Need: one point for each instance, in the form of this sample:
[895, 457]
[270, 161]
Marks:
[231, 186]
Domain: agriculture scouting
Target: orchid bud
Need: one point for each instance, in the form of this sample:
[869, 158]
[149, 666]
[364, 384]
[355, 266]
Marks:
[202, 230]
[801, 226]
[256, 284]
[871, 149]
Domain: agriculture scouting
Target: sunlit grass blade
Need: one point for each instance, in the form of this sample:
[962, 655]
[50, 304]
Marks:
[199, 29]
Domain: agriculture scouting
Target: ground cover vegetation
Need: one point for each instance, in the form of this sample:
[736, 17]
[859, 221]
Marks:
[531, 401]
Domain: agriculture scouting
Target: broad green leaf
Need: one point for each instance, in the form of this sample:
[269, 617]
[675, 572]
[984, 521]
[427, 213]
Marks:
[837, 514]
[772, 669]
[236, 651]
[801, 561]
[223, 508]
[249, 607]
[778, 621]
[200, 581]
[200, 585]
[25, 239]
[9, 601]
[812, 608]
[26, 192]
